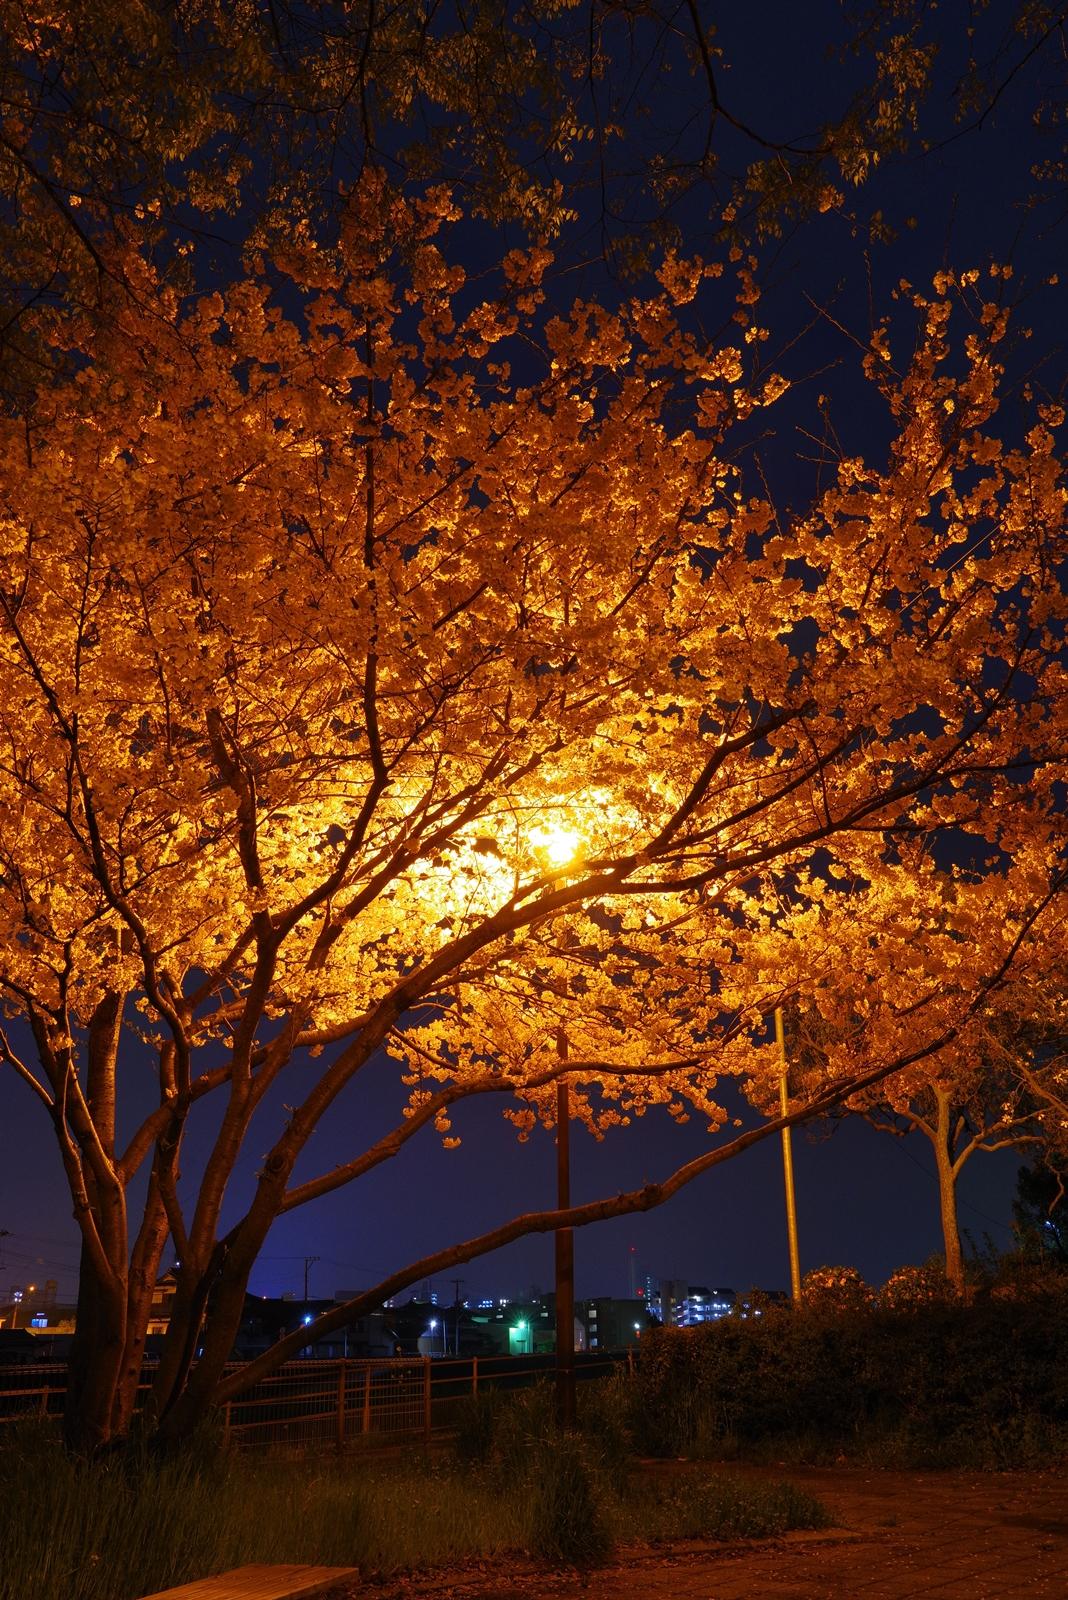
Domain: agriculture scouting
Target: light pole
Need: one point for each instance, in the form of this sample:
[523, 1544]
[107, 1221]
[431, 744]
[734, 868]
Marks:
[565, 1255]
[788, 1160]
[561, 844]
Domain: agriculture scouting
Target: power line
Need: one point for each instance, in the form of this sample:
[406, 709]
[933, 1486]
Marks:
[933, 1175]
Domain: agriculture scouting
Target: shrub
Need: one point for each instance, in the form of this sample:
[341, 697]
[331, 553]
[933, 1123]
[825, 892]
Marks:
[567, 1511]
[912, 1287]
[835, 1289]
[929, 1381]
[604, 1420]
[476, 1426]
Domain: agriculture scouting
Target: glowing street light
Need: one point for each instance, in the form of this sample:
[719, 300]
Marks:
[558, 843]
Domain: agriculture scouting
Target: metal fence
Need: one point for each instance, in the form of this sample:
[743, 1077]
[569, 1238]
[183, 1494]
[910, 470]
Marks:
[32, 1390]
[339, 1402]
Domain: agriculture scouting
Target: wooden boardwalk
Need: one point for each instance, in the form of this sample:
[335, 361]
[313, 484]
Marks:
[260, 1582]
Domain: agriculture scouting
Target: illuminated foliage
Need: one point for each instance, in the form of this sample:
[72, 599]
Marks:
[207, 126]
[390, 661]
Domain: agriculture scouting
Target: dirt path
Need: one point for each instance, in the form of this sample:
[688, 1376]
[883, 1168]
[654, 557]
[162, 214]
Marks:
[902, 1536]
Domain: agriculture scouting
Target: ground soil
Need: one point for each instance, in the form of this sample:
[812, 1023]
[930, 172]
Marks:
[898, 1536]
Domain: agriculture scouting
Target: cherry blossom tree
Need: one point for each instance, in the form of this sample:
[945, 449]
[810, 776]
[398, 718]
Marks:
[997, 1089]
[978, 1094]
[210, 124]
[958, 1115]
[395, 663]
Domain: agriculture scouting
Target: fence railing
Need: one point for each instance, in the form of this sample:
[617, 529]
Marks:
[338, 1401]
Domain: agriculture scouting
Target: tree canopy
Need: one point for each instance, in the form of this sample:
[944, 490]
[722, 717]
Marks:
[402, 653]
[389, 664]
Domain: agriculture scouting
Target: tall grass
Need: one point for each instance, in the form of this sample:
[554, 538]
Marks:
[585, 1490]
[128, 1526]
[135, 1523]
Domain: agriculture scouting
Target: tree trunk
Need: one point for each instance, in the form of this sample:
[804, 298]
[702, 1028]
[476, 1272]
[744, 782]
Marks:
[179, 1346]
[99, 1348]
[95, 1362]
[947, 1193]
[191, 1397]
[144, 1272]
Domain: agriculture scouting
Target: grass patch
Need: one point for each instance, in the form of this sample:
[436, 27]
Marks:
[695, 1505]
[134, 1523]
[117, 1529]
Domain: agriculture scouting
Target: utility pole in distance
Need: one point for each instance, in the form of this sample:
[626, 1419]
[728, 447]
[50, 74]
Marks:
[565, 1256]
[309, 1262]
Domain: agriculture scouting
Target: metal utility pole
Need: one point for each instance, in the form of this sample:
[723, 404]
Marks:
[309, 1262]
[788, 1160]
[565, 1256]
[457, 1285]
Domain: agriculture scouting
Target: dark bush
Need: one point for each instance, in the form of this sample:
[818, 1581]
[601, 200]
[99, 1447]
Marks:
[568, 1522]
[982, 1384]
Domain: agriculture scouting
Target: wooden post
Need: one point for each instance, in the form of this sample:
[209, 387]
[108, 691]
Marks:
[342, 1371]
[366, 1421]
[565, 1257]
[426, 1401]
[474, 1376]
[788, 1161]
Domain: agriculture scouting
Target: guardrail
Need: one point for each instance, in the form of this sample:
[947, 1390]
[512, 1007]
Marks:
[338, 1401]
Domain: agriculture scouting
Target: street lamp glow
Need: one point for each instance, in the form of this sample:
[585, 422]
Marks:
[558, 843]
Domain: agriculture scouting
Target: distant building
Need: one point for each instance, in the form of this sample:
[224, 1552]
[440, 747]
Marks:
[510, 1327]
[679, 1304]
[705, 1305]
[266, 1321]
[35, 1309]
[665, 1297]
[18, 1347]
[159, 1316]
[614, 1324]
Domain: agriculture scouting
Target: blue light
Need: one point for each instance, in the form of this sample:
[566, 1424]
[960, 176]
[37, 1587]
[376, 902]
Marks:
[308, 1319]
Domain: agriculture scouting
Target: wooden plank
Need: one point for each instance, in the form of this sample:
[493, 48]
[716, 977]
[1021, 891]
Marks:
[260, 1582]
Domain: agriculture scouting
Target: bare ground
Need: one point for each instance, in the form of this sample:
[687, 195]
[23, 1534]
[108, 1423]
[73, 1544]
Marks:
[898, 1536]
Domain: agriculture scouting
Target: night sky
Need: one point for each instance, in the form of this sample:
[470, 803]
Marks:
[864, 1198]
